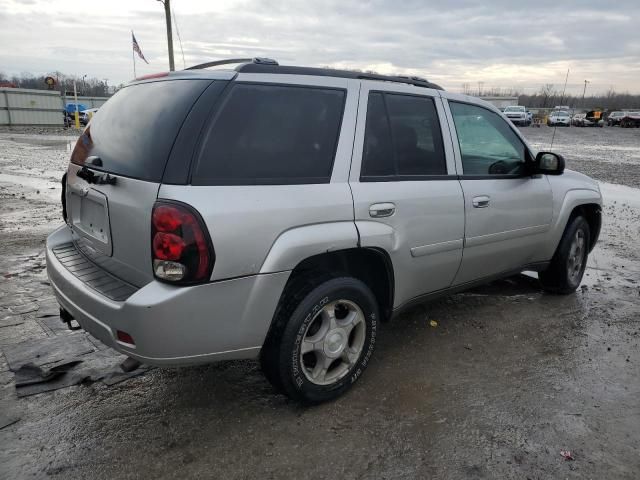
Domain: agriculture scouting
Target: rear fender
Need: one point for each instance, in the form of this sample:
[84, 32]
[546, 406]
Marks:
[297, 244]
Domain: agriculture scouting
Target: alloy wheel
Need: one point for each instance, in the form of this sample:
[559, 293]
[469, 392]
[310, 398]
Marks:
[333, 342]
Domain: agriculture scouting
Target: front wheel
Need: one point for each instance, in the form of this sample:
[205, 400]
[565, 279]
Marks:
[322, 340]
[564, 274]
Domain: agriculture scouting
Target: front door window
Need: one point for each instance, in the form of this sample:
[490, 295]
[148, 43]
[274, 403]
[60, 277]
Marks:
[488, 145]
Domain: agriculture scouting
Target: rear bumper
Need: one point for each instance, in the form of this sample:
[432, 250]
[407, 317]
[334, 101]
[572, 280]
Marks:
[173, 325]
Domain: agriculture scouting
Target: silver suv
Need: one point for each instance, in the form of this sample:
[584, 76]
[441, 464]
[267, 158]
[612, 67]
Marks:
[282, 213]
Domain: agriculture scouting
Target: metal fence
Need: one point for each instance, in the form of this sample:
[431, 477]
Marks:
[90, 102]
[23, 106]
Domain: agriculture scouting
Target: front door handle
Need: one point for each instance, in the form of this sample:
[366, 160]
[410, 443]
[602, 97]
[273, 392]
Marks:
[481, 201]
[378, 210]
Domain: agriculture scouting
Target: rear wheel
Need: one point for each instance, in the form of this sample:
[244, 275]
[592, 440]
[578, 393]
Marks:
[322, 340]
[565, 272]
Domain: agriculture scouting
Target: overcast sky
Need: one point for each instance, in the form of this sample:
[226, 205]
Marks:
[502, 43]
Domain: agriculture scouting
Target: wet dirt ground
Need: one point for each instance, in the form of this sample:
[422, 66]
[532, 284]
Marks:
[507, 379]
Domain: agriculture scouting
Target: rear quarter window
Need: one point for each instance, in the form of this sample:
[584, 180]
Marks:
[272, 134]
[134, 131]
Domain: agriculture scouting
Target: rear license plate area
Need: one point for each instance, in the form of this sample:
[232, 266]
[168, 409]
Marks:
[89, 216]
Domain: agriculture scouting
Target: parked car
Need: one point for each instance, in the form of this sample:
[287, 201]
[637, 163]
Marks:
[308, 206]
[559, 118]
[614, 118]
[518, 115]
[579, 120]
[630, 120]
[85, 115]
[594, 118]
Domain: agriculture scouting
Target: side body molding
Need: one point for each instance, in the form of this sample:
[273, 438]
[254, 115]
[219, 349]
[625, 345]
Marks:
[297, 244]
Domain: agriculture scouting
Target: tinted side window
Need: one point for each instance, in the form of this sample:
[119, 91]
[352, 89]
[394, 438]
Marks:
[272, 134]
[402, 137]
[488, 146]
[377, 156]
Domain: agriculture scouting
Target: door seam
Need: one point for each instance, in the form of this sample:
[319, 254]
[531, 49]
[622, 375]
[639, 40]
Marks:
[353, 149]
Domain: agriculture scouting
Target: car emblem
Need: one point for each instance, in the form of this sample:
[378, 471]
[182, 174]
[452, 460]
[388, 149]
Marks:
[84, 191]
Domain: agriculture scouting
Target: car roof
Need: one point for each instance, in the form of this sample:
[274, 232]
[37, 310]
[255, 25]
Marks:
[269, 66]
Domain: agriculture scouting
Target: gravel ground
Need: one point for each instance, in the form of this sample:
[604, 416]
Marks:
[606, 154]
[507, 379]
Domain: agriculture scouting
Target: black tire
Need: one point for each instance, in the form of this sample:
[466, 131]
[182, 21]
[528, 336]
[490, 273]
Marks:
[557, 277]
[300, 310]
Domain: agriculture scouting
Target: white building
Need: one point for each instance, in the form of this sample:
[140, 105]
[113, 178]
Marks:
[501, 102]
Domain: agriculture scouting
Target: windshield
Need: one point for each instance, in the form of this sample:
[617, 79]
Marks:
[561, 114]
[514, 109]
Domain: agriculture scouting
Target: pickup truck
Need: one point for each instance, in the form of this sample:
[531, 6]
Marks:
[518, 115]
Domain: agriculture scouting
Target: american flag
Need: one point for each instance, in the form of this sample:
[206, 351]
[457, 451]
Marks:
[136, 48]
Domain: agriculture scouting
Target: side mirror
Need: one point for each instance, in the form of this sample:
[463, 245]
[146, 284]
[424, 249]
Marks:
[549, 163]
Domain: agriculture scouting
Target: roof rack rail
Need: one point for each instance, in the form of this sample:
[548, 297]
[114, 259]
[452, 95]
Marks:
[257, 67]
[416, 81]
[256, 60]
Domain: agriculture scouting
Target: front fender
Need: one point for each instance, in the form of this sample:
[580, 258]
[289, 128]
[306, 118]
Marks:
[297, 244]
[565, 205]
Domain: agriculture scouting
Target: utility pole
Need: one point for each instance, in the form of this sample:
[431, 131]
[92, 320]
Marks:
[584, 91]
[75, 99]
[167, 14]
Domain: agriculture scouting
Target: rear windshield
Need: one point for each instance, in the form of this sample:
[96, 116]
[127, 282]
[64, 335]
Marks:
[133, 132]
[272, 134]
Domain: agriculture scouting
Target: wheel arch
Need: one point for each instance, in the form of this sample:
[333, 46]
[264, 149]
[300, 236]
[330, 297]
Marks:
[370, 265]
[592, 212]
[576, 202]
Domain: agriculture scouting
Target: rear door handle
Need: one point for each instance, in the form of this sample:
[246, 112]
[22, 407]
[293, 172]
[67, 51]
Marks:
[481, 201]
[378, 210]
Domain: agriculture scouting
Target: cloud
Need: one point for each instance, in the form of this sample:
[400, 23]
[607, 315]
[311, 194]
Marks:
[501, 43]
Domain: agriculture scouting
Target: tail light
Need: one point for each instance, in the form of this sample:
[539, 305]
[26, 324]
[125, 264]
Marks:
[181, 248]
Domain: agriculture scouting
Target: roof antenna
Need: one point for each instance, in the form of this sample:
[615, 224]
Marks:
[561, 101]
[184, 65]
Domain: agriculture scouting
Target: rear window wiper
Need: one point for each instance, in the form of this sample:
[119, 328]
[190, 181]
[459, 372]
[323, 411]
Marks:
[98, 179]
